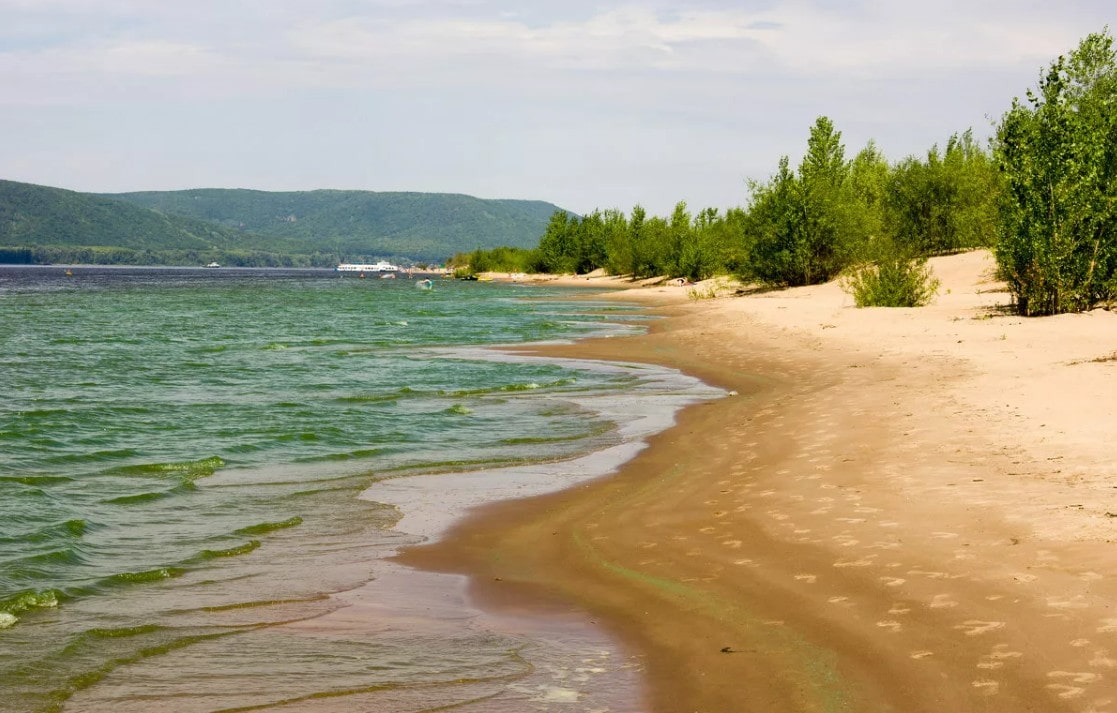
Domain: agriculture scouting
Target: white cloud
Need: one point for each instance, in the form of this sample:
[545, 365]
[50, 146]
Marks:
[646, 100]
[404, 43]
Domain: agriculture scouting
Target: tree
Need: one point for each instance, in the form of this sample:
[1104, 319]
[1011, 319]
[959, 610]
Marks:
[1057, 152]
[556, 251]
[946, 202]
[807, 224]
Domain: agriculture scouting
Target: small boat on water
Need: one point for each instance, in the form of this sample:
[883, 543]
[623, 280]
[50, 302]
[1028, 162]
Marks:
[212, 265]
[426, 284]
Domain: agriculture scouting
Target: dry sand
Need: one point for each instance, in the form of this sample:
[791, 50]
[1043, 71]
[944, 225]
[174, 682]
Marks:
[900, 510]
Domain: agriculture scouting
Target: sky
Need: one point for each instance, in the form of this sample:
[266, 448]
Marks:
[583, 104]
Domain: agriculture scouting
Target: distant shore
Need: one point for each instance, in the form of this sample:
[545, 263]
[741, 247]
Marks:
[906, 509]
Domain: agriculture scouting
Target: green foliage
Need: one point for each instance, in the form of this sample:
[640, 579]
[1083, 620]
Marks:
[947, 202]
[807, 224]
[502, 259]
[558, 250]
[894, 279]
[239, 227]
[1057, 150]
[357, 225]
[32, 216]
[682, 246]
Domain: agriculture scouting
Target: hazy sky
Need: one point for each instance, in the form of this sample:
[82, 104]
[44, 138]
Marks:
[584, 104]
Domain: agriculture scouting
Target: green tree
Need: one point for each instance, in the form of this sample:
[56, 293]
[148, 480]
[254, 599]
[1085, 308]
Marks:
[1057, 151]
[556, 251]
[807, 226]
[869, 175]
[945, 203]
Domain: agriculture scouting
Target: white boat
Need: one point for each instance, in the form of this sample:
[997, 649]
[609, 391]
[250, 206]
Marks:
[381, 266]
[213, 264]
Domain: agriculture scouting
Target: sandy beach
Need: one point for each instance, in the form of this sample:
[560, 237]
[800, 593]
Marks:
[896, 510]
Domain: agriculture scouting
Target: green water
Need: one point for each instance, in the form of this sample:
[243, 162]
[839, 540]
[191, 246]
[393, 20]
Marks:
[181, 454]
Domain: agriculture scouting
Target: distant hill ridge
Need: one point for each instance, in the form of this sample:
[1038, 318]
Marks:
[242, 226]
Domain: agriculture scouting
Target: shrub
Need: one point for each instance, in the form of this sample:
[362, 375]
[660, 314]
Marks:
[894, 281]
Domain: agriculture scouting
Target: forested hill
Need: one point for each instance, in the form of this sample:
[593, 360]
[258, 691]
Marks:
[422, 226]
[243, 227]
[38, 222]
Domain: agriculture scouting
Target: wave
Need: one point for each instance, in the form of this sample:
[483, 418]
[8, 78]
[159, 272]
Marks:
[265, 603]
[123, 632]
[347, 455]
[26, 601]
[244, 549]
[140, 498]
[68, 529]
[507, 388]
[148, 497]
[36, 480]
[264, 528]
[151, 575]
[188, 470]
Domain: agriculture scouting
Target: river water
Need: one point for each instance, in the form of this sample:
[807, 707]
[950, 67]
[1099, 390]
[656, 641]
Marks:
[203, 471]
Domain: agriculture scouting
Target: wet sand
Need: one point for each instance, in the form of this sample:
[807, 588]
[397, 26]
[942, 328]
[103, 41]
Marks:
[899, 510]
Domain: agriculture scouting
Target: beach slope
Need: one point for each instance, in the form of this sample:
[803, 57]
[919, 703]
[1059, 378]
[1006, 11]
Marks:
[897, 510]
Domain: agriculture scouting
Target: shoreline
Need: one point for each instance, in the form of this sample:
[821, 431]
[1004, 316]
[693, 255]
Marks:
[905, 510]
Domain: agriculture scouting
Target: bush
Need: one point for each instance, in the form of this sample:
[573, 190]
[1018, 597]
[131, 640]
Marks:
[894, 281]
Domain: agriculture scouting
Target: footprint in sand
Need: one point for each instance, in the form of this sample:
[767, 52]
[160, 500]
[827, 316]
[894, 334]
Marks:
[1074, 602]
[884, 546]
[1108, 626]
[928, 575]
[997, 657]
[943, 601]
[987, 687]
[974, 627]
[1101, 659]
[1067, 691]
[863, 562]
